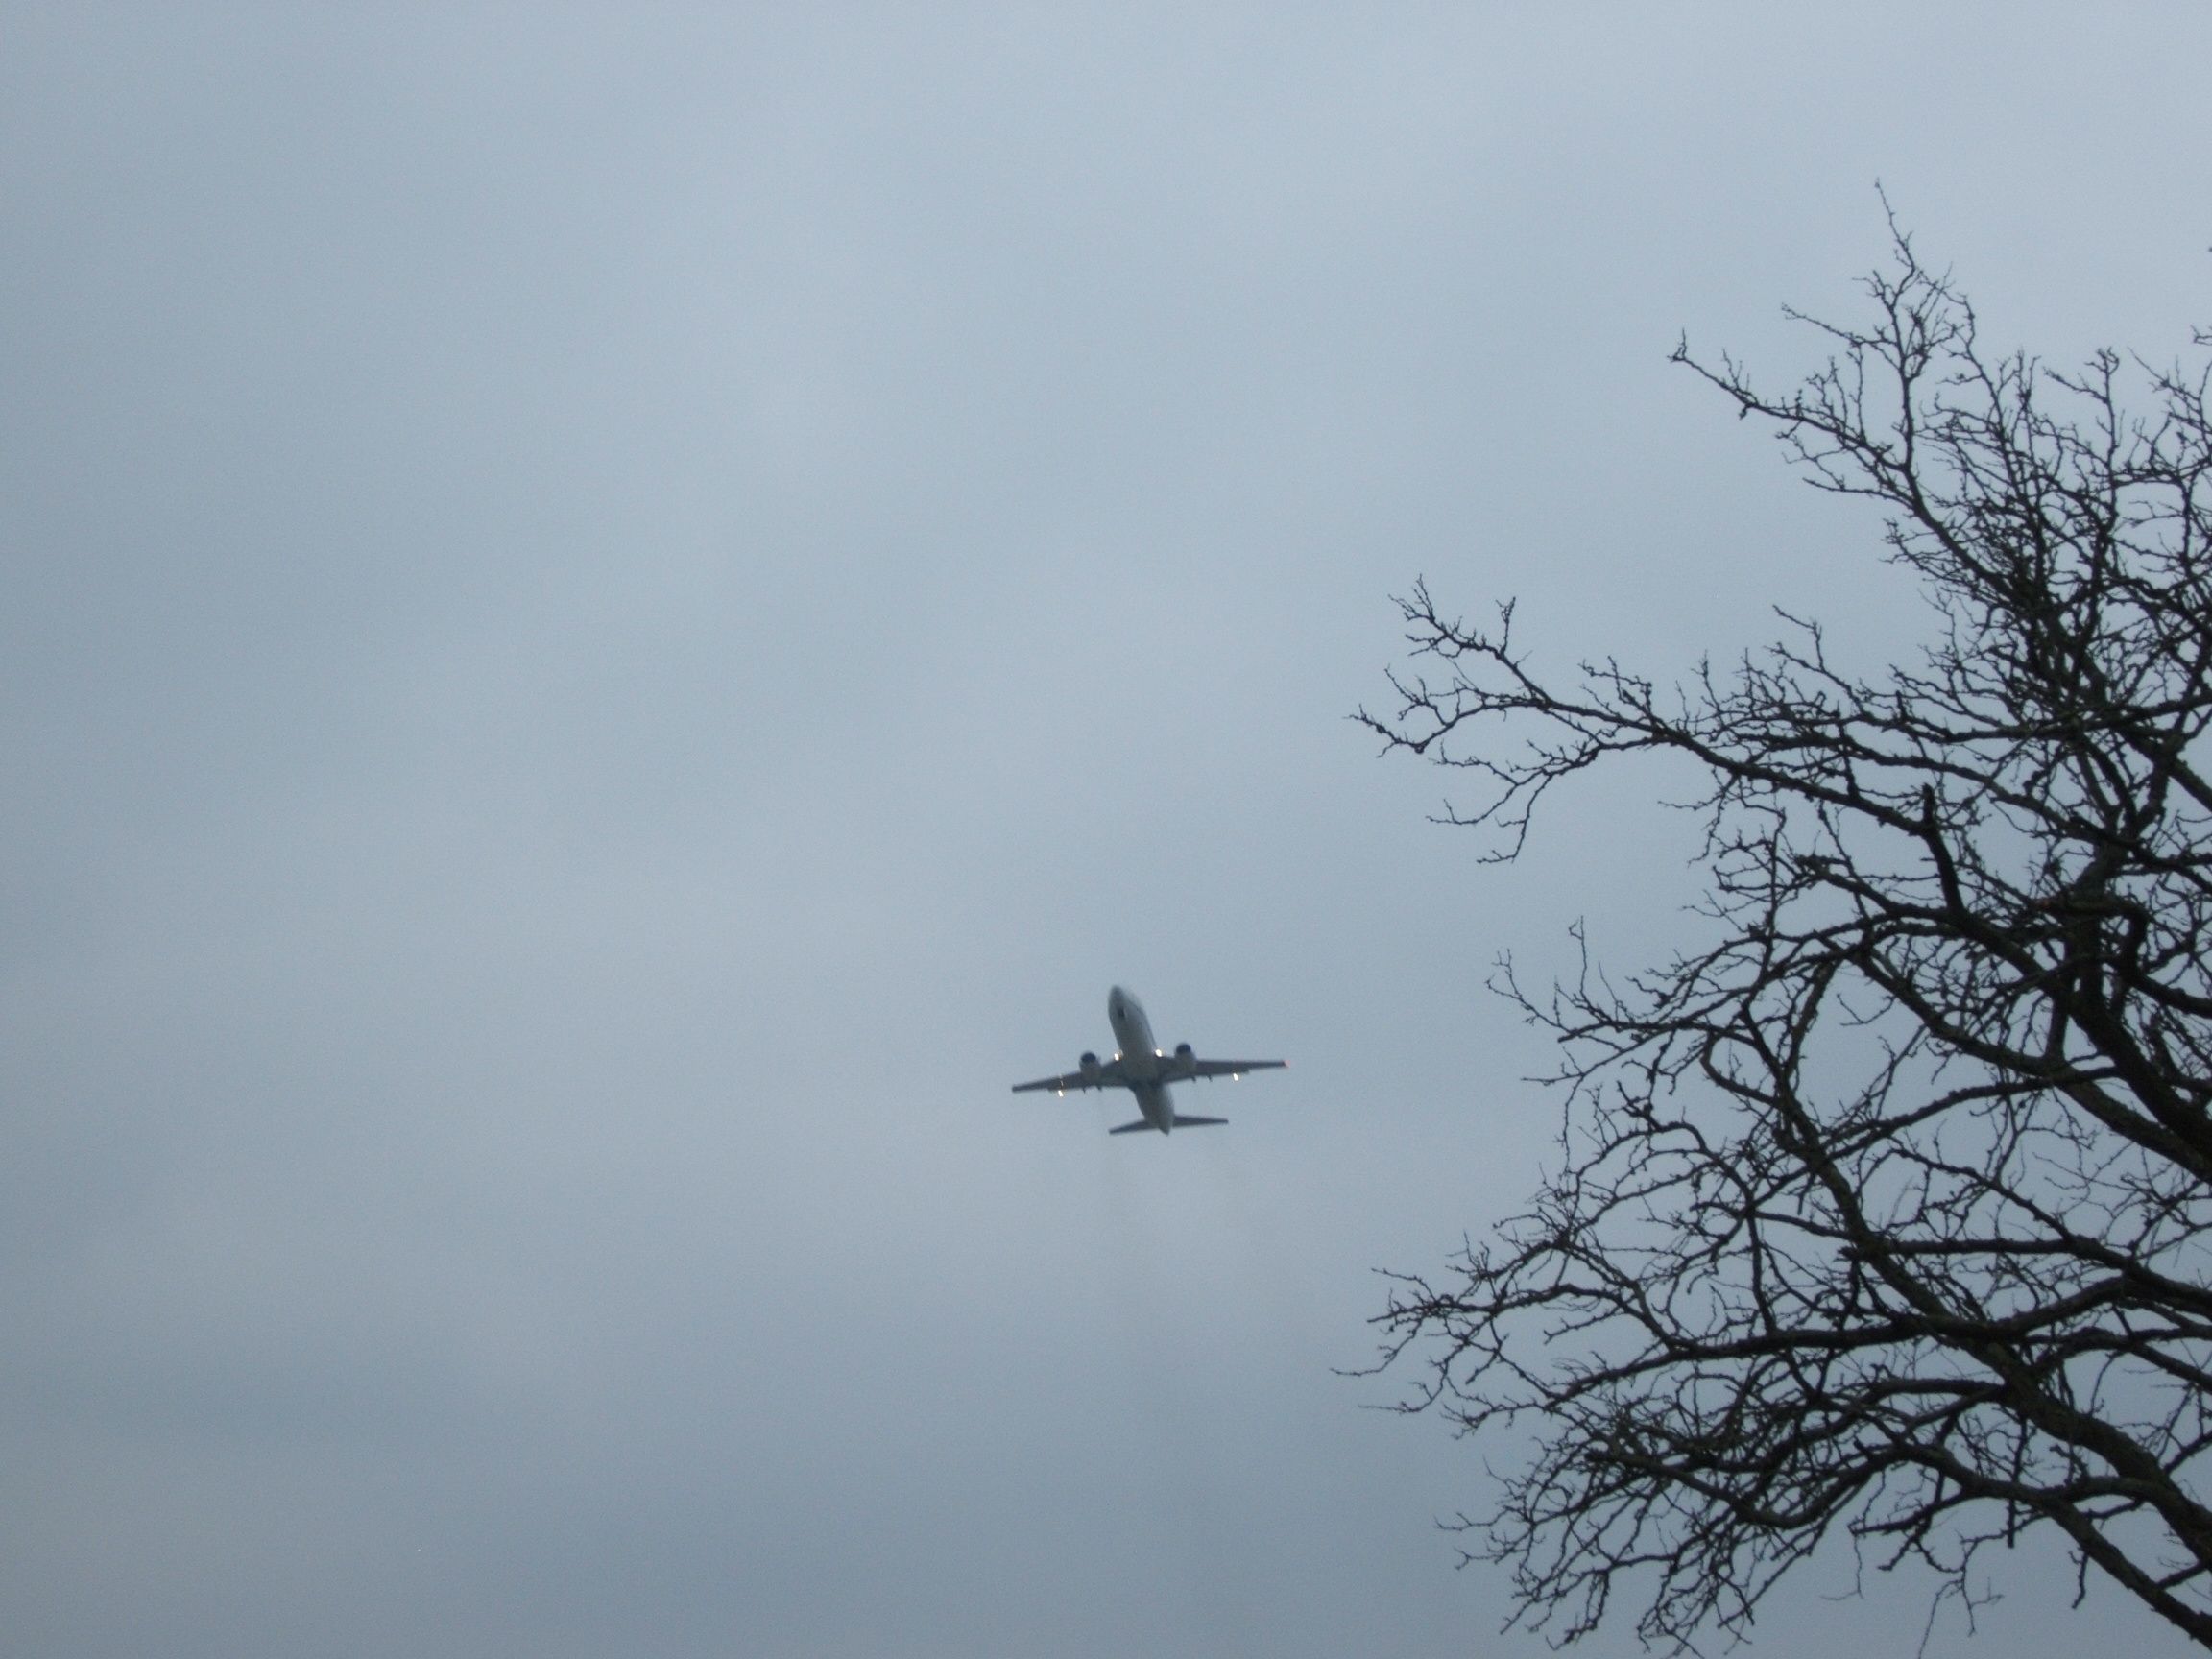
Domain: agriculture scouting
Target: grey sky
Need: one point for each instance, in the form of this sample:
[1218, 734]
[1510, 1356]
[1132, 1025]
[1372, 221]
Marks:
[614, 618]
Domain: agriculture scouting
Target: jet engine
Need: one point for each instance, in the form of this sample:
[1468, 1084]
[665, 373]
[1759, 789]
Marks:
[1184, 1053]
[1089, 1065]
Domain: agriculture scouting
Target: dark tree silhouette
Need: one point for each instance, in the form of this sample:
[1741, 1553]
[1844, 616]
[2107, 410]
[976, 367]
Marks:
[1887, 1205]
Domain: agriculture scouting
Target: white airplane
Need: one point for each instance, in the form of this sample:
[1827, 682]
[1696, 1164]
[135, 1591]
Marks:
[1144, 1070]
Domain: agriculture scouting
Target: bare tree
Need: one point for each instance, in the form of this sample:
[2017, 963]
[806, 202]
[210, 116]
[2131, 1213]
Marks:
[1887, 1205]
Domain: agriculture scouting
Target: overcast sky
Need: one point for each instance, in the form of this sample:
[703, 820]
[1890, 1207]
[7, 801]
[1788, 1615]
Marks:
[612, 619]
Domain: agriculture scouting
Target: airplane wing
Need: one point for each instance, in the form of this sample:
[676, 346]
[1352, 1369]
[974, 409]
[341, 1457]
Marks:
[1109, 1075]
[1174, 1069]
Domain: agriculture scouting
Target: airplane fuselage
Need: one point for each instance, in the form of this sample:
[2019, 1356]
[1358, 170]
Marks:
[1139, 1057]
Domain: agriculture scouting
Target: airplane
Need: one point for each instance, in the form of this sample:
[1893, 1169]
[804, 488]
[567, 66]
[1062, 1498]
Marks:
[1144, 1070]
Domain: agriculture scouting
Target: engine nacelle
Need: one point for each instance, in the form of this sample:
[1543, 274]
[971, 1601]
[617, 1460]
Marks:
[1182, 1052]
[1089, 1065]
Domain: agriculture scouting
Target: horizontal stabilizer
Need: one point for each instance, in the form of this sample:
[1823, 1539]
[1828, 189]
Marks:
[1132, 1128]
[1183, 1122]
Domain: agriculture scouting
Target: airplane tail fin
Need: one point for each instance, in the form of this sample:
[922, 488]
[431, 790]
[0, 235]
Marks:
[1132, 1128]
[1183, 1122]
